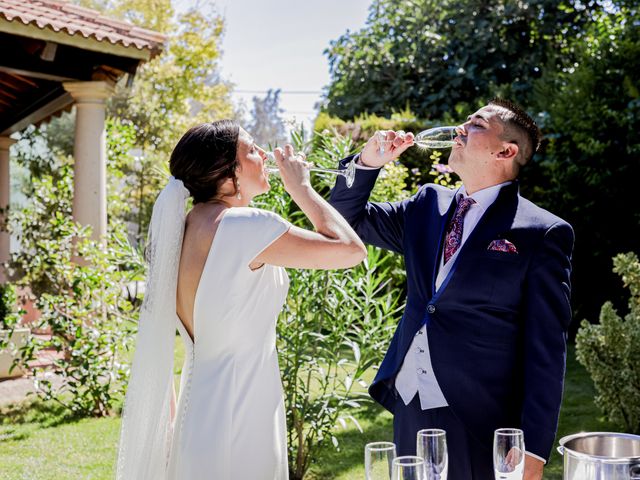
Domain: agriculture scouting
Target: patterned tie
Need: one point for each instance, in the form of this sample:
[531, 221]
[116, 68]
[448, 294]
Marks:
[454, 230]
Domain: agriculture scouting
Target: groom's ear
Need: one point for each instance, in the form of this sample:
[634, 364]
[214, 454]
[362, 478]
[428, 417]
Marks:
[509, 151]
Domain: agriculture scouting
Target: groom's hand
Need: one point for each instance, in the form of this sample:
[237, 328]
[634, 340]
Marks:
[385, 146]
[533, 468]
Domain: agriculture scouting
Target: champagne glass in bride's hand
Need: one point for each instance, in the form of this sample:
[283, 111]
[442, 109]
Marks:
[349, 173]
[432, 448]
[508, 454]
[378, 458]
[438, 137]
[408, 468]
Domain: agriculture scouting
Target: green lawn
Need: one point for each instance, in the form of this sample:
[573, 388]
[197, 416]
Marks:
[41, 442]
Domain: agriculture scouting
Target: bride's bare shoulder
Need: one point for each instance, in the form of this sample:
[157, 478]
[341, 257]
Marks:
[202, 222]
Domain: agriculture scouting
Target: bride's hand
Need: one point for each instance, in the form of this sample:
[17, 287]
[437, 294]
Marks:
[294, 170]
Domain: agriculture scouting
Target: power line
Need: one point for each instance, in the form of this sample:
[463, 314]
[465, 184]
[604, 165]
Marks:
[284, 92]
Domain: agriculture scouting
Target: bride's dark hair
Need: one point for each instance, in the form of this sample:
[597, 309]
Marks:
[205, 157]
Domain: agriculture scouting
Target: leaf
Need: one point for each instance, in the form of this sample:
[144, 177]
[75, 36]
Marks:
[355, 422]
[356, 351]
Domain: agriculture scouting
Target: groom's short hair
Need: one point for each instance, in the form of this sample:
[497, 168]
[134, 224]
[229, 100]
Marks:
[519, 128]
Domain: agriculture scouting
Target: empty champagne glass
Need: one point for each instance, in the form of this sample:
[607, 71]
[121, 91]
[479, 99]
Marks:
[438, 137]
[378, 459]
[349, 173]
[508, 454]
[432, 448]
[408, 467]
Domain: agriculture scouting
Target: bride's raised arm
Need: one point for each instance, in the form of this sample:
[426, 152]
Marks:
[334, 244]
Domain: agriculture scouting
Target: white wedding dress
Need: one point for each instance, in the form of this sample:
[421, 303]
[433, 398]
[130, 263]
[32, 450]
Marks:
[230, 420]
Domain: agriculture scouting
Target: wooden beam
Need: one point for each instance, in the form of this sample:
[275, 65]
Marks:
[71, 64]
[4, 93]
[32, 74]
[62, 37]
[56, 104]
[17, 79]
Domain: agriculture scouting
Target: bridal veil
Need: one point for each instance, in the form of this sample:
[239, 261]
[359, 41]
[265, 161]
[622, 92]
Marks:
[145, 436]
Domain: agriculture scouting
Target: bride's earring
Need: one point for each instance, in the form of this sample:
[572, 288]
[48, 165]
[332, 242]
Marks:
[239, 195]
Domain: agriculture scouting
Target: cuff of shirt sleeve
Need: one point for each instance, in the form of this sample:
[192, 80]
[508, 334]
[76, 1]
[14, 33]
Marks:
[536, 456]
[360, 166]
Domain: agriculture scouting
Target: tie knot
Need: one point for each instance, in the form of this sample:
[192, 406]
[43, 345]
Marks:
[464, 205]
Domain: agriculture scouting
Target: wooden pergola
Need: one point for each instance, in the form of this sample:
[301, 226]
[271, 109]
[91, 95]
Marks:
[56, 55]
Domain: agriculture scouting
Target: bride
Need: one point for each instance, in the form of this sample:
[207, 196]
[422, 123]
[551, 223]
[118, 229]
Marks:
[216, 275]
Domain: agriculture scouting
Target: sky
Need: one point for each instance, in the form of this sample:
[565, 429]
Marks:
[279, 44]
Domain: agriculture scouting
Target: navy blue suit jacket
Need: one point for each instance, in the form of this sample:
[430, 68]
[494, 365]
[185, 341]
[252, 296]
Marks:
[497, 325]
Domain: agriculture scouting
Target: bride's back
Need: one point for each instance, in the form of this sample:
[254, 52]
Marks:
[200, 230]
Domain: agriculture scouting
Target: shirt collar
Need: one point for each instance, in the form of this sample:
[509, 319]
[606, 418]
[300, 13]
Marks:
[485, 197]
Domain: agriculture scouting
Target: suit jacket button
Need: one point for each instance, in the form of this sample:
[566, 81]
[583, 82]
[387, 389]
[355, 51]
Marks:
[431, 309]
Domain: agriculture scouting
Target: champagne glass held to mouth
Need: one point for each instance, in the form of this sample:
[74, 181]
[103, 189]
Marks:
[432, 138]
[349, 173]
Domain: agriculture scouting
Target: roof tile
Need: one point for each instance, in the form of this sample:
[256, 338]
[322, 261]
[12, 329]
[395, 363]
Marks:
[61, 15]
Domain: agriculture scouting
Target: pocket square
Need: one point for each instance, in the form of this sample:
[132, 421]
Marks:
[502, 245]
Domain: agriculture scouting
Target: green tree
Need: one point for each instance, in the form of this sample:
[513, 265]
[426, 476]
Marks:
[589, 169]
[179, 88]
[570, 63]
[176, 90]
[445, 56]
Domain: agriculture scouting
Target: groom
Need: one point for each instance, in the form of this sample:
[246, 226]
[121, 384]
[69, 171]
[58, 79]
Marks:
[481, 344]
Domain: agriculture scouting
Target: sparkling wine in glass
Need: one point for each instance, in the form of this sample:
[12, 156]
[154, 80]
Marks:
[434, 138]
[432, 448]
[349, 173]
[508, 454]
[378, 459]
[408, 467]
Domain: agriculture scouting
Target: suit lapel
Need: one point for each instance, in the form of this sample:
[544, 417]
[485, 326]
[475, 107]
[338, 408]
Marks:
[496, 220]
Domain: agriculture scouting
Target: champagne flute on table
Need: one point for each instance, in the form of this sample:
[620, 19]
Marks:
[409, 467]
[432, 448]
[378, 459]
[349, 173]
[508, 454]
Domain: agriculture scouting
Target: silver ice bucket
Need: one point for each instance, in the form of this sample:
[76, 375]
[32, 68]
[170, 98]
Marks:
[601, 456]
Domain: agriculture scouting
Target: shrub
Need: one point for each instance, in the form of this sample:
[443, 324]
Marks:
[610, 351]
[9, 319]
[326, 342]
[335, 324]
[9, 313]
[79, 287]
